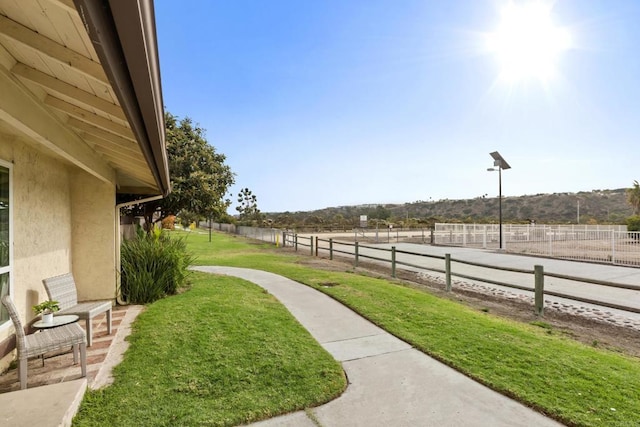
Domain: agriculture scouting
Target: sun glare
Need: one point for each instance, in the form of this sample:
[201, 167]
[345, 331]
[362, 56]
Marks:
[527, 43]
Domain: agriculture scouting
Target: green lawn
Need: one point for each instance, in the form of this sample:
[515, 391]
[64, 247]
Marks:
[574, 383]
[223, 353]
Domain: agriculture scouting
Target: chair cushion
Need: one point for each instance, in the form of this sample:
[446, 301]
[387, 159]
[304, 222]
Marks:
[87, 310]
[53, 339]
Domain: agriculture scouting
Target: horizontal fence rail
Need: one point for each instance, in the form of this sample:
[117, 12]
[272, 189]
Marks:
[595, 243]
[358, 251]
[389, 256]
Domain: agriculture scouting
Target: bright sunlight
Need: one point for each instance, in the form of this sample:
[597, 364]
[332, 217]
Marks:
[527, 43]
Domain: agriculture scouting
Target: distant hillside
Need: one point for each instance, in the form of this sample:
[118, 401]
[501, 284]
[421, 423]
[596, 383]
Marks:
[595, 207]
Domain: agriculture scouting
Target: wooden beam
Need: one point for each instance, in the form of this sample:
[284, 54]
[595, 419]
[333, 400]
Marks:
[107, 136]
[22, 110]
[96, 140]
[135, 166]
[51, 83]
[89, 117]
[120, 155]
[66, 5]
[132, 172]
[125, 156]
[53, 50]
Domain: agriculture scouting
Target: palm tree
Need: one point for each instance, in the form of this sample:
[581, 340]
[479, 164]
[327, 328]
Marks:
[633, 197]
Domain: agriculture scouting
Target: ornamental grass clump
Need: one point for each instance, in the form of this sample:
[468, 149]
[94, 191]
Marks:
[153, 265]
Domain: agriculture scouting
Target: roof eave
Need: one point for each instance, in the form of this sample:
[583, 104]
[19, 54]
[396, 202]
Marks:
[124, 36]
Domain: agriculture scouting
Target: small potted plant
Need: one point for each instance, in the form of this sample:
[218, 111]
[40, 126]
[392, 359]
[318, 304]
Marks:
[46, 308]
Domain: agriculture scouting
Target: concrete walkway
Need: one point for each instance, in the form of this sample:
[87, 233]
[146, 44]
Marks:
[390, 383]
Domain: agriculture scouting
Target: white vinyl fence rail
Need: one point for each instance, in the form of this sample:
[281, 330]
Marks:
[599, 243]
[596, 243]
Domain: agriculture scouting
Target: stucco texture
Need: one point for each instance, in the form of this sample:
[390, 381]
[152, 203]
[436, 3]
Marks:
[41, 222]
[63, 220]
[93, 236]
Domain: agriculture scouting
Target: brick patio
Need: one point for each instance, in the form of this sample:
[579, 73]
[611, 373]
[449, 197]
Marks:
[105, 353]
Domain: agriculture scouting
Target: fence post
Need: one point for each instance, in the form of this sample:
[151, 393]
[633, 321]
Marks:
[284, 239]
[330, 248]
[355, 263]
[432, 237]
[484, 238]
[316, 245]
[393, 261]
[613, 247]
[311, 244]
[464, 235]
[538, 271]
[295, 241]
[447, 269]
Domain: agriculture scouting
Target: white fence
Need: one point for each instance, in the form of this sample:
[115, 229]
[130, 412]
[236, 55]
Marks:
[595, 243]
[600, 243]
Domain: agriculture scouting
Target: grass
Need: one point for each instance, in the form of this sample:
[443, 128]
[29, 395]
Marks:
[574, 383]
[221, 354]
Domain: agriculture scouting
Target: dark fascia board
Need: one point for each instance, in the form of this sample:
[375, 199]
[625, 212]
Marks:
[124, 35]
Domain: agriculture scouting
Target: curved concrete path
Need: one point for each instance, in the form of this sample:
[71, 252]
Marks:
[390, 383]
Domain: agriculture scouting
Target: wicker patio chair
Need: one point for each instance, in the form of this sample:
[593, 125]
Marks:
[42, 342]
[63, 289]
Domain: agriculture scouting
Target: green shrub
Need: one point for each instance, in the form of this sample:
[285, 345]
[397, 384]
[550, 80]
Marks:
[633, 223]
[153, 266]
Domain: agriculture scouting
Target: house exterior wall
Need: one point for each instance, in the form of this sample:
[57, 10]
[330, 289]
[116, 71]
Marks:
[41, 224]
[63, 220]
[93, 236]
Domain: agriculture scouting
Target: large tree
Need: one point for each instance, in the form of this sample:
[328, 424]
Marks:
[199, 177]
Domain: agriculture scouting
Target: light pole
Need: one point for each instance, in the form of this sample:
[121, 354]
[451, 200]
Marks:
[501, 164]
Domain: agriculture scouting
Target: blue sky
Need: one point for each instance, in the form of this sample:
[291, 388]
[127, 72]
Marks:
[320, 103]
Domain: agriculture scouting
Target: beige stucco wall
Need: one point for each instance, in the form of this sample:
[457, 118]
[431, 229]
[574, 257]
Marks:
[63, 220]
[41, 223]
[93, 236]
